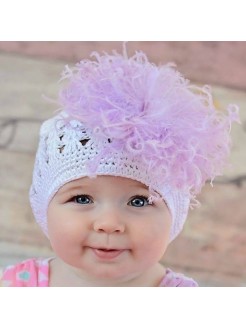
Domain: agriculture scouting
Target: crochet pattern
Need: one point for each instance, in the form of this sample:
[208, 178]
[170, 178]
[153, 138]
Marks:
[67, 151]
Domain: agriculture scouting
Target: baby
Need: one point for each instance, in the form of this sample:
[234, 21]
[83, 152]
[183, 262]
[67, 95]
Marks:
[116, 171]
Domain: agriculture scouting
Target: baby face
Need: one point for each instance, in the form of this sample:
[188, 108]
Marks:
[106, 228]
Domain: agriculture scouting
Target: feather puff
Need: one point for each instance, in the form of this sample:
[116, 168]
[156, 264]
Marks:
[151, 112]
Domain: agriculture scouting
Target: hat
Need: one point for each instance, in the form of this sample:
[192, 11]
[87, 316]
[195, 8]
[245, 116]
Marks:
[127, 117]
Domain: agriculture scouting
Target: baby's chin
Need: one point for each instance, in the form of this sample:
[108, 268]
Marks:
[108, 275]
[111, 275]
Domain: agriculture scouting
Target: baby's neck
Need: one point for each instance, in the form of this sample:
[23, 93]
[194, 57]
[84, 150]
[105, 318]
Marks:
[63, 275]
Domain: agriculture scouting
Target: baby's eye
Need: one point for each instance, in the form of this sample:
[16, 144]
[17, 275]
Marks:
[139, 201]
[82, 199]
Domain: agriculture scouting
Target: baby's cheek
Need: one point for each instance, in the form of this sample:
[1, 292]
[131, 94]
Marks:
[154, 236]
[61, 231]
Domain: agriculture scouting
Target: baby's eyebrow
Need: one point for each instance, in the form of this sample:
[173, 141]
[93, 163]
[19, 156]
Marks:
[64, 191]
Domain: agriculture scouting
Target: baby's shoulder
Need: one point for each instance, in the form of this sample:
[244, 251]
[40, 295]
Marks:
[28, 273]
[174, 279]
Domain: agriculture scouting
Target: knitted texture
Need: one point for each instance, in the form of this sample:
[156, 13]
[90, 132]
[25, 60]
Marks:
[127, 117]
[66, 150]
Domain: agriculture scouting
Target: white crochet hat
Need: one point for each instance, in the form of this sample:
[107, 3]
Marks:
[67, 151]
[127, 117]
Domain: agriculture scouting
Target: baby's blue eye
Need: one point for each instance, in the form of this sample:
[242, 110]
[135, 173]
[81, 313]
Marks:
[139, 201]
[82, 199]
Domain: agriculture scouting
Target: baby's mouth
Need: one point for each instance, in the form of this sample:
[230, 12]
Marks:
[107, 253]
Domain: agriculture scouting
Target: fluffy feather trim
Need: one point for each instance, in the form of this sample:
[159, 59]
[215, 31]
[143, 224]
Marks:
[151, 112]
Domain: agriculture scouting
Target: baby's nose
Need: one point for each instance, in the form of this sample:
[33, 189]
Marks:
[109, 223]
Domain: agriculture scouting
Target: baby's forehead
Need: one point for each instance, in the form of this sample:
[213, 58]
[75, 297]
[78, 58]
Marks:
[104, 180]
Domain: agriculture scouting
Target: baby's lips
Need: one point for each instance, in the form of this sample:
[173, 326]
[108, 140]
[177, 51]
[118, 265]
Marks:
[107, 254]
[107, 249]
